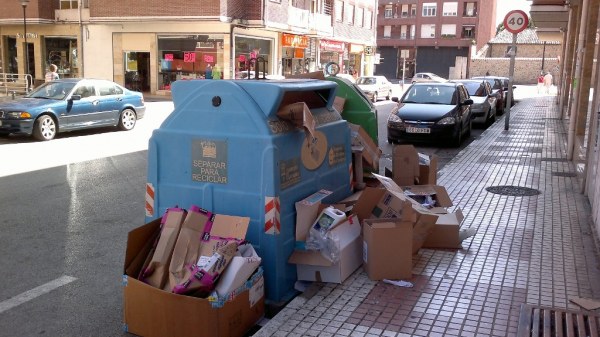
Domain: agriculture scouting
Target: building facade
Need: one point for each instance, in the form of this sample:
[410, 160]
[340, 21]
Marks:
[431, 35]
[146, 46]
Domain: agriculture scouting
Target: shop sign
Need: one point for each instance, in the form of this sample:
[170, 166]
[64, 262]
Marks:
[205, 45]
[298, 53]
[242, 58]
[209, 58]
[291, 40]
[189, 57]
[329, 45]
[168, 57]
[356, 48]
[29, 35]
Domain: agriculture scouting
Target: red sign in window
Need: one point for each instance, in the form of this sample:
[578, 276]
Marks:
[189, 57]
[242, 58]
[209, 58]
[168, 57]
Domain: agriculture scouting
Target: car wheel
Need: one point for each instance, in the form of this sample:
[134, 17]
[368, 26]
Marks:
[127, 120]
[389, 95]
[44, 128]
[375, 97]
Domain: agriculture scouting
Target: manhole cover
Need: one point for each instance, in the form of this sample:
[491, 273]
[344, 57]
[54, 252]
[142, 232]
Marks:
[516, 191]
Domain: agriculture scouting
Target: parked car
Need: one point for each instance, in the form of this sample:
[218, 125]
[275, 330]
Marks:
[499, 88]
[375, 87]
[429, 112]
[484, 100]
[427, 77]
[71, 104]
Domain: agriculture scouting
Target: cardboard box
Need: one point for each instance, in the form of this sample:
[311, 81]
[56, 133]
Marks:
[307, 210]
[371, 152]
[149, 311]
[447, 233]
[313, 266]
[387, 248]
[410, 167]
[438, 194]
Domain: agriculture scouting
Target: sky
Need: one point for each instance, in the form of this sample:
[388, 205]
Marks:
[505, 6]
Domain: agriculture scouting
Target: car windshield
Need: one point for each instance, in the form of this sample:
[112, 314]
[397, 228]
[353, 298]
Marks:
[52, 90]
[365, 80]
[475, 88]
[429, 95]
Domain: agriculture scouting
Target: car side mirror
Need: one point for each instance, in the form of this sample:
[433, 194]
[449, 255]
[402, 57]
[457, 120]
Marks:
[468, 102]
[75, 97]
[395, 99]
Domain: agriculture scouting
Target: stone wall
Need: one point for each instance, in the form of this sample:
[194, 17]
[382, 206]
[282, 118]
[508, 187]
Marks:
[526, 69]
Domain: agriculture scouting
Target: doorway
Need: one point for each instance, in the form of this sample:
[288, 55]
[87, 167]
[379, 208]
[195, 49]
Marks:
[137, 70]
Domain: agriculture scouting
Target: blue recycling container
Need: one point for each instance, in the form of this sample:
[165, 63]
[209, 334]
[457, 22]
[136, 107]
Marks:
[224, 148]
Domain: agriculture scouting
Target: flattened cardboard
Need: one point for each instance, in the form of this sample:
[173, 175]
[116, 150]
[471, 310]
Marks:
[299, 114]
[387, 249]
[239, 270]
[312, 266]
[371, 152]
[405, 165]
[152, 312]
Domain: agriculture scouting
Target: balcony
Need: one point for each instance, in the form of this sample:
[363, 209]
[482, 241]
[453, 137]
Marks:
[71, 15]
[298, 19]
[320, 24]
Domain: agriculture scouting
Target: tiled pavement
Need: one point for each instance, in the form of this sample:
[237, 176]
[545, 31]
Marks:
[537, 250]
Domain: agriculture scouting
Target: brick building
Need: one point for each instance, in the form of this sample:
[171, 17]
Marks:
[149, 44]
[431, 35]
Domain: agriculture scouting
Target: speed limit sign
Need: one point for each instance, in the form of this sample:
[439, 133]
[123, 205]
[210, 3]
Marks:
[516, 21]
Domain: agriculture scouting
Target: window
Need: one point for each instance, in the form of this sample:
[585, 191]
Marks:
[427, 31]
[404, 11]
[429, 9]
[328, 7]
[339, 7]
[368, 19]
[468, 32]
[450, 9]
[86, 90]
[359, 16]
[413, 10]
[449, 30]
[107, 89]
[388, 13]
[470, 9]
[69, 4]
[387, 31]
[349, 14]
[403, 30]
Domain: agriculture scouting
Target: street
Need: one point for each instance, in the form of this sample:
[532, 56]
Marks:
[67, 206]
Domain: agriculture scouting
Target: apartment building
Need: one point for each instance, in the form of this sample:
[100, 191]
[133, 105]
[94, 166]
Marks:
[149, 44]
[431, 35]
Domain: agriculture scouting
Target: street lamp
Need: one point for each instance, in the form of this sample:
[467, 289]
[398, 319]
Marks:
[24, 3]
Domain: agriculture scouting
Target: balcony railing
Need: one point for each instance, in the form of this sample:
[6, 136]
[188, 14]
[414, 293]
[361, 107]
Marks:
[298, 17]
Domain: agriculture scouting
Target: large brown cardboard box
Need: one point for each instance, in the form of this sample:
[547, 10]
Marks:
[387, 248]
[447, 233]
[410, 167]
[427, 169]
[149, 311]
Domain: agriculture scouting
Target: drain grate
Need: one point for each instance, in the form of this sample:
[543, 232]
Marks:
[564, 174]
[547, 322]
[554, 159]
[515, 191]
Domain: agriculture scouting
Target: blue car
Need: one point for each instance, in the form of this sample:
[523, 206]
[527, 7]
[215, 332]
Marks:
[71, 104]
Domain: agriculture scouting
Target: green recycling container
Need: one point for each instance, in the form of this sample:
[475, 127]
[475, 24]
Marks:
[358, 109]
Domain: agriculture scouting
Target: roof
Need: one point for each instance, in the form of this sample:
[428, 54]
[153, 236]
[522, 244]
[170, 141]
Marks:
[527, 36]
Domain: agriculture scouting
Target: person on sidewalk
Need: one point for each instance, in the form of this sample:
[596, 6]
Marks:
[51, 75]
[540, 82]
[548, 82]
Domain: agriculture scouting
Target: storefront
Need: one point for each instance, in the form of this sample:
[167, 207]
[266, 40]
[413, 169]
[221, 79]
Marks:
[331, 51]
[251, 52]
[295, 59]
[62, 52]
[189, 57]
[354, 64]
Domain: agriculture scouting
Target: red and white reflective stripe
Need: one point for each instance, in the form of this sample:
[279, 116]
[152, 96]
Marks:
[351, 177]
[272, 211]
[149, 199]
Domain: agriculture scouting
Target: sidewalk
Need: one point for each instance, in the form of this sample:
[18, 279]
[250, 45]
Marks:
[537, 250]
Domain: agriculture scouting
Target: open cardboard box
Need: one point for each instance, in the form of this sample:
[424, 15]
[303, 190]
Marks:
[387, 248]
[371, 151]
[313, 266]
[432, 228]
[149, 311]
[410, 167]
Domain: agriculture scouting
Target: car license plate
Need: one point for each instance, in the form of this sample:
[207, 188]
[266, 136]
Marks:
[411, 129]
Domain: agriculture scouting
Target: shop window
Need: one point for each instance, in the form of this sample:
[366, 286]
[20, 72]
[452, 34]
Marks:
[62, 52]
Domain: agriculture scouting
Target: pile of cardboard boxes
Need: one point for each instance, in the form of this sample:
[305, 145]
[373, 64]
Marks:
[388, 222]
[190, 273]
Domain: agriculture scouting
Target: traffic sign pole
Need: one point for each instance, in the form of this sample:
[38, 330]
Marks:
[515, 22]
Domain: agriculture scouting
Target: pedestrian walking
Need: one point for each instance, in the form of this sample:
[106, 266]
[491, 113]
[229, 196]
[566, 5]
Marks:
[548, 82]
[51, 75]
[540, 82]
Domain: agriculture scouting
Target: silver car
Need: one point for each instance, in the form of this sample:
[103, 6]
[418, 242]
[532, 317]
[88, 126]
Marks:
[484, 100]
[428, 77]
[375, 87]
